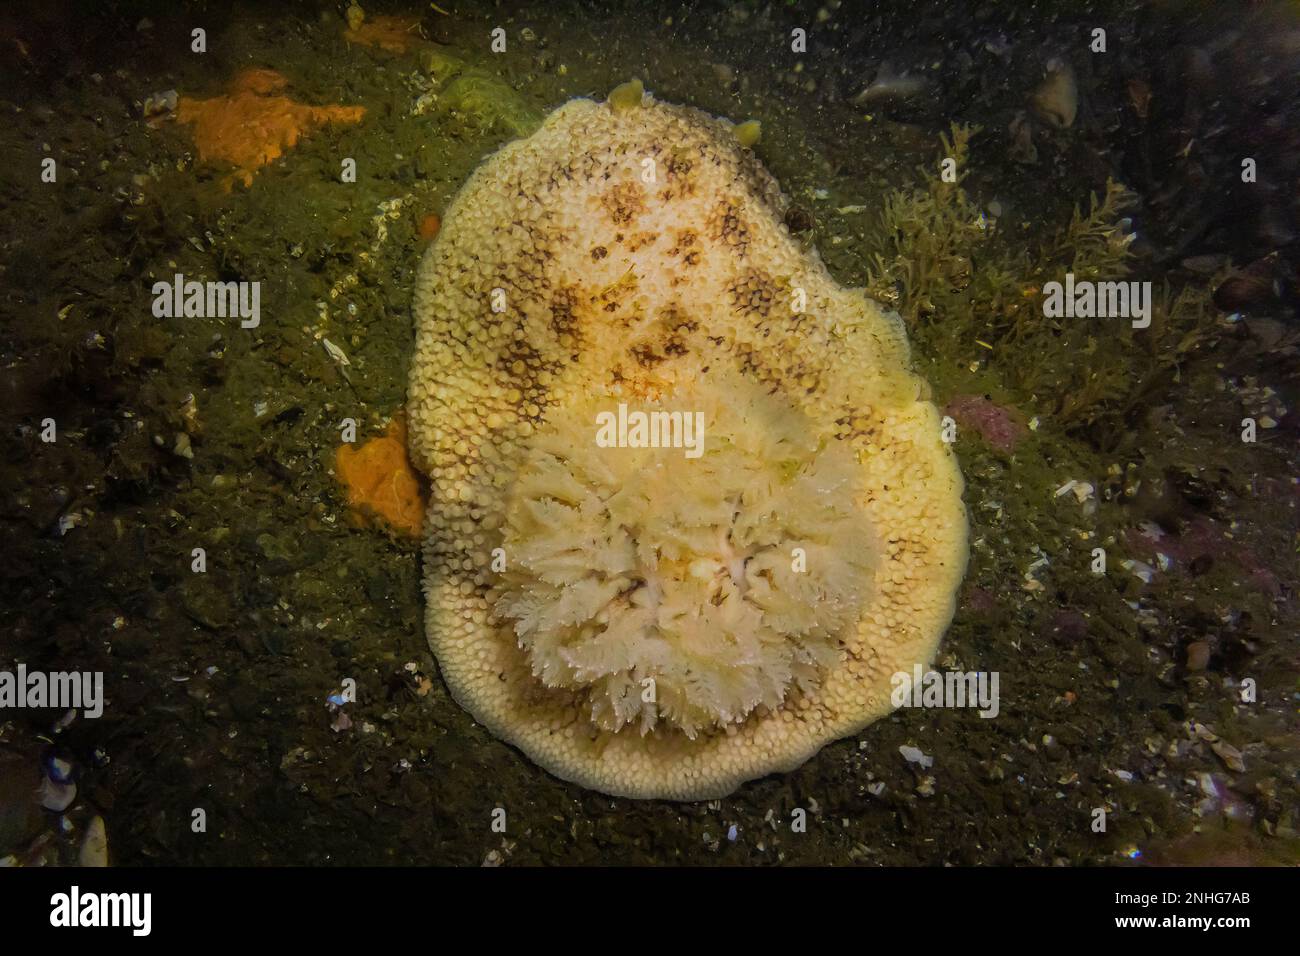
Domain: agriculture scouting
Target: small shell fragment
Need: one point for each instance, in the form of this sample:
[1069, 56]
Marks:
[94, 845]
[336, 353]
[1229, 754]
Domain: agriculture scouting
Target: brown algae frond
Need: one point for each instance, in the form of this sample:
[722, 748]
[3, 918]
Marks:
[966, 288]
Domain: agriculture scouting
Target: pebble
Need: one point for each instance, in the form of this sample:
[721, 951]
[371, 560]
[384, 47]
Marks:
[914, 755]
[56, 796]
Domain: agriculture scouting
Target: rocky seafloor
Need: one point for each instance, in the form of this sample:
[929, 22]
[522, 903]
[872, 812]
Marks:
[1163, 690]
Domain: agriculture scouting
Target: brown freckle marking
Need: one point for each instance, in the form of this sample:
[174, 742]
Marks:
[624, 202]
[641, 240]
[679, 163]
[678, 167]
[563, 319]
[753, 293]
[600, 252]
[726, 226]
[646, 355]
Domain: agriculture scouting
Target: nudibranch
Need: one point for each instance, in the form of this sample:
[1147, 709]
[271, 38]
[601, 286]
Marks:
[690, 507]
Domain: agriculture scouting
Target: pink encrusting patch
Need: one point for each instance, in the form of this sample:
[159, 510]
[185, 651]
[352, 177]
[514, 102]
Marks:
[1000, 427]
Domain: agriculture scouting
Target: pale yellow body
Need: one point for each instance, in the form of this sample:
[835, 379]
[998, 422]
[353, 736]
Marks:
[630, 253]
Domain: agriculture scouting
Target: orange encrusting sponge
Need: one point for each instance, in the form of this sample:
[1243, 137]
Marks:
[251, 125]
[381, 482]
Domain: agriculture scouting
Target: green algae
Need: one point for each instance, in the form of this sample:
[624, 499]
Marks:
[476, 97]
[486, 103]
[626, 96]
[748, 133]
[442, 65]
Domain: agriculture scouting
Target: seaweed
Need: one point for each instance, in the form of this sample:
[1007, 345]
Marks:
[930, 234]
[959, 283]
[475, 96]
[486, 103]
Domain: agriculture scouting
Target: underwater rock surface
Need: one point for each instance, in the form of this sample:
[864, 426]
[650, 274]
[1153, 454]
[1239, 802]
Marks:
[673, 637]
